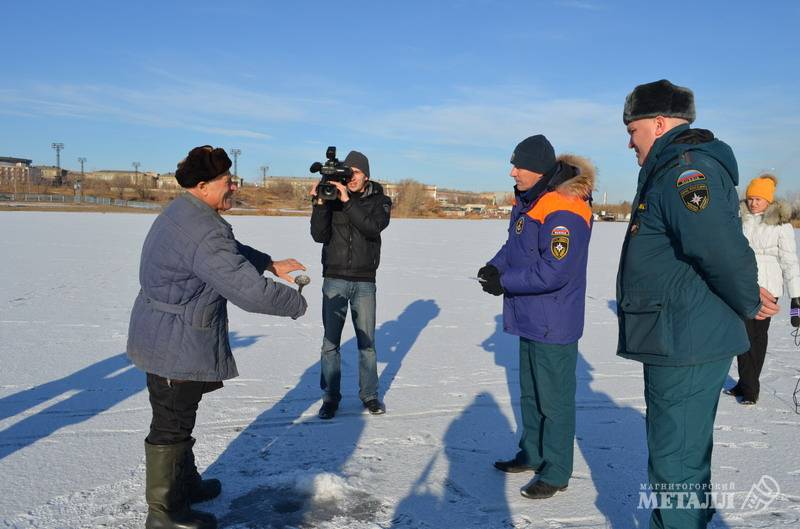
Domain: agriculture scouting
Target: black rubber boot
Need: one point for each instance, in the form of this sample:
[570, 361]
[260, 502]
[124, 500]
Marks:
[165, 490]
[199, 489]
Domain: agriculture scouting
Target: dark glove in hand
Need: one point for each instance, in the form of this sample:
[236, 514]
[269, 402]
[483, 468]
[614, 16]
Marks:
[795, 312]
[490, 280]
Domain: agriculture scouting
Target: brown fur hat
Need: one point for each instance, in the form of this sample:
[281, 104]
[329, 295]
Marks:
[202, 164]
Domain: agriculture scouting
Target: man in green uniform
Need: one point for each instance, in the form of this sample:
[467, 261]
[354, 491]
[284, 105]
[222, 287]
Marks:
[687, 278]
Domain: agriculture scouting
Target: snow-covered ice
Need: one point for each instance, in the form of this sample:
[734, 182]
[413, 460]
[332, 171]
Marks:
[74, 413]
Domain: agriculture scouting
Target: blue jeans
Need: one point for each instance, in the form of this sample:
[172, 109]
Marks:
[336, 294]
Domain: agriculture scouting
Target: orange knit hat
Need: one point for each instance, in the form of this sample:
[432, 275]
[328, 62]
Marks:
[763, 186]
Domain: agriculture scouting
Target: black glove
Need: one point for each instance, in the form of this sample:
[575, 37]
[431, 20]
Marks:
[490, 280]
[794, 313]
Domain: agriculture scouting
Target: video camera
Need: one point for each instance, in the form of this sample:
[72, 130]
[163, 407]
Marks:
[332, 171]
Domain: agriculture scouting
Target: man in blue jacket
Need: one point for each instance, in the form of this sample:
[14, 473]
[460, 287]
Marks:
[541, 273]
[687, 279]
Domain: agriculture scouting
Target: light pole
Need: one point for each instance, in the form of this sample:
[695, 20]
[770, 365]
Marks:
[264, 169]
[136, 166]
[81, 161]
[77, 186]
[236, 153]
[58, 147]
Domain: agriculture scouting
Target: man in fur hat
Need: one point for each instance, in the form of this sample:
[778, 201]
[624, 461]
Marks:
[686, 281]
[191, 266]
[541, 273]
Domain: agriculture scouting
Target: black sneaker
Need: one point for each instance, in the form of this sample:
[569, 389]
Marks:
[328, 410]
[375, 407]
[512, 466]
[539, 490]
[748, 402]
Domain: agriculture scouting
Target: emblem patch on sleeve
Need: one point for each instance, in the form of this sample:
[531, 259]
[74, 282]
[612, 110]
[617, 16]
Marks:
[562, 231]
[695, 197]
[559, 246]
[689, 177]
[519, 225]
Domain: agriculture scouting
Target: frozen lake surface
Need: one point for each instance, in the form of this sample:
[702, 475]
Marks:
[74, 412]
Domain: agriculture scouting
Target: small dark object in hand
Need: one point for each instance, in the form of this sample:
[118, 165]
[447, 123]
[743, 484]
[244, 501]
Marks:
[301, 281]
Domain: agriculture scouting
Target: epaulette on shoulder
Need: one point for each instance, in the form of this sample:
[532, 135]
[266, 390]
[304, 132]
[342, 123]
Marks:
[554, 201]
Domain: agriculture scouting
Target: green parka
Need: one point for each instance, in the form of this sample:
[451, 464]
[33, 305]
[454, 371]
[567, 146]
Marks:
[687, 277]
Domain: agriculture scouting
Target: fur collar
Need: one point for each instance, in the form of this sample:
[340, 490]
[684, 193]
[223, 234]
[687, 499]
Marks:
[582, 184]
[777, 213]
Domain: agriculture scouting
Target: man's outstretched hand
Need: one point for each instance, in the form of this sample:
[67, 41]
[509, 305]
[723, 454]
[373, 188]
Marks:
[284, 267]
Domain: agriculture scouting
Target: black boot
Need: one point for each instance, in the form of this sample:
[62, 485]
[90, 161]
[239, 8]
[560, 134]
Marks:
[539, 490]
[735, 391]
[165, 490]
[513, 466]
[199, 489]
[328, 410]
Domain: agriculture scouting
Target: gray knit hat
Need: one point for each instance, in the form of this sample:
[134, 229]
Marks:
[659, 98]
[357, 160]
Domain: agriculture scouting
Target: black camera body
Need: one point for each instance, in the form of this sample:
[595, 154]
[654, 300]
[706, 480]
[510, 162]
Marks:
[332, 171]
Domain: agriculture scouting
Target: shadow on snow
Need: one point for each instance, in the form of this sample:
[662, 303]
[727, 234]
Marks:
[288, 468]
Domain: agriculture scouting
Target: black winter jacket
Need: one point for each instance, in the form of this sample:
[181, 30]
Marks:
[351, 233]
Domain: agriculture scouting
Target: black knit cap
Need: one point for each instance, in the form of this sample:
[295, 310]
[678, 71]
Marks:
[358, 160]
[202, 164]
[659, 98]
[534, 153]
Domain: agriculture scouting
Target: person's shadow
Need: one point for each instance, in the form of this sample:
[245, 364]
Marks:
[288, 468]
[613, 443]
[97, 388]
[473, 490]
[505, 348]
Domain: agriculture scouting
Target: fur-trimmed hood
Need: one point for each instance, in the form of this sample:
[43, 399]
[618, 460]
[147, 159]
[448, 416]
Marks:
[779, 212]
[577, 176]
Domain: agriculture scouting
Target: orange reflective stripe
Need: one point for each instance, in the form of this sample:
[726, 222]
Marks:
[555, 201]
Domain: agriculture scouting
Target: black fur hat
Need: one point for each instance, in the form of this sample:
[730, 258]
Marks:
[659, 98]
[202, 164]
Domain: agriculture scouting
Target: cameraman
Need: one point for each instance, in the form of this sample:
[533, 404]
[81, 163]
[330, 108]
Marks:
[350, 230]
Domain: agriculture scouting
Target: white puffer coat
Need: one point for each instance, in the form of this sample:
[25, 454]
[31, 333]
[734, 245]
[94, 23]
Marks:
[772, 239]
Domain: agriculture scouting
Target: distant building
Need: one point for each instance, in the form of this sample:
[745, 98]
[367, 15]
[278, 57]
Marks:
[167, 181]
[475, 208]
[452, 196]
[14, 171]
[297, 182]
[48, 174]
[125, 178]
[393, 190]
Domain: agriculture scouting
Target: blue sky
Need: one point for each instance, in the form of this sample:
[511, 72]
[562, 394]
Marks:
[436, 91]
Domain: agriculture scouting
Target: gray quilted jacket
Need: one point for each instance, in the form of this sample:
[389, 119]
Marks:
[191, 266]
